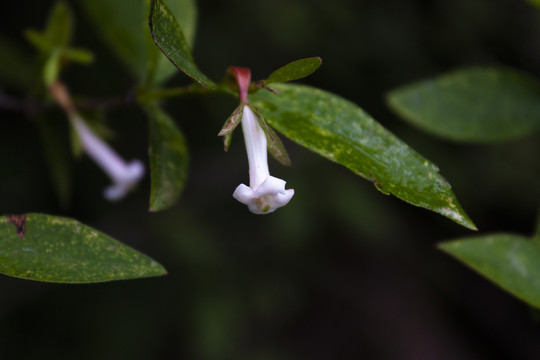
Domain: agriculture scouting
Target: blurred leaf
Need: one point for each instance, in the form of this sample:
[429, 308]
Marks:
[342, 132]
[95, 120]
[509, 260]
[58, 160]
[82, 56]
[169, 37]
[38, 40]
[57, 32]
[474, 105]
[295, 70]
[55, 249]
[168, 159]
[59, 26]
[124, 25]
[51, 68]
[16, 68]
[185, 12]
[535, 3]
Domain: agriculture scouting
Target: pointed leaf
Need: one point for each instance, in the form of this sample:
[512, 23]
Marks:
[509, 260]
[473, 105]
[273, 142]
[168, 159]
[55, 249]
[169, 37]
[295, 70]
[38, 40]
[227, 139]
[232, 122]
[59, 26]
[81, 56]
[342, 132]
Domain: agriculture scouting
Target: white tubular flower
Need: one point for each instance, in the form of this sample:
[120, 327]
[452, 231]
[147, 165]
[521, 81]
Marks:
[265, 193]
[123, 175]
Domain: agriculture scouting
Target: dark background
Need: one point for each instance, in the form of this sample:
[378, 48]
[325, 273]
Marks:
[342, 272]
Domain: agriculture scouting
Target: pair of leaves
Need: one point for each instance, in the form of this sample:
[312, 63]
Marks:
[509, 260]
[53, 43]
[55, 249]
[472, 105]
[169, 37]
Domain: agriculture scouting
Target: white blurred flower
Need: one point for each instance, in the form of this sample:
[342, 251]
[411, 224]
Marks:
[124, 175]
[265, 193]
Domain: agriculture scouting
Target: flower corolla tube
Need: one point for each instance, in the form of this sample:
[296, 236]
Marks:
[124, 175]
[265, 193]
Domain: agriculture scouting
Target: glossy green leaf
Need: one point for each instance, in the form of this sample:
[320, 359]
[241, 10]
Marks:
[509, 260]
[185, 12]
[342, 132]
[169, 37]
[295, 70]
[55, 249]
[124, 25]
[473, 105]
[38, 40]
[168, 159]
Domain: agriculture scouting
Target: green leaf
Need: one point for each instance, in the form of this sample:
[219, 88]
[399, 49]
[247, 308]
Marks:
[38, 40]
[472, 105]
[295, 70]
[59, 26]
[169, 37]
[509, 260]
[124, 26]
[342, 132]
[168, 159]
[81, 56]
[55, 249]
